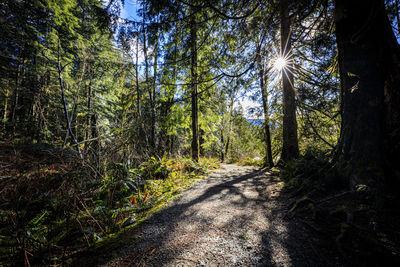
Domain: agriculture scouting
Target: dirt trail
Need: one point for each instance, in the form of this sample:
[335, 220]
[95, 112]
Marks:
[235, 217]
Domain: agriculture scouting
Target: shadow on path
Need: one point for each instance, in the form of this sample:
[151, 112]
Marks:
[233, 218]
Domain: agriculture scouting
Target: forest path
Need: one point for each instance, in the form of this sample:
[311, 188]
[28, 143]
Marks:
[235, 217]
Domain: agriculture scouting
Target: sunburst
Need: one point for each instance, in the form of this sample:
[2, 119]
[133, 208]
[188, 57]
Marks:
[280, 63]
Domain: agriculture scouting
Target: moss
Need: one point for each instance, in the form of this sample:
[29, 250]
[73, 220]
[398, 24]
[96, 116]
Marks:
[244, 235]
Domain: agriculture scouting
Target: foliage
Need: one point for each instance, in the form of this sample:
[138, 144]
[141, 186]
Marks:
[311, 172]
[54, 206]
[256, 162]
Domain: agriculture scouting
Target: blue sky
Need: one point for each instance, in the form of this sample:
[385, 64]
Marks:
[129, 10]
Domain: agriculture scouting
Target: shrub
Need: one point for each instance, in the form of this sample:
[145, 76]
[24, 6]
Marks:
[256, 162]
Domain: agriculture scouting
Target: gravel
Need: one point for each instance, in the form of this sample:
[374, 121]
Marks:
[235, 217]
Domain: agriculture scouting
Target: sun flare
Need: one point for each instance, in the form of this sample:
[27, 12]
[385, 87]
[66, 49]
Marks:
[280, 63]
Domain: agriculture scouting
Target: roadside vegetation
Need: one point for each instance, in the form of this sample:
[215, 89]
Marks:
[53, 205]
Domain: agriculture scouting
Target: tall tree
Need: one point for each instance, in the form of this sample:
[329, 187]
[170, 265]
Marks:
[194, 83]
[290, 147]
[262, 71]
[369, 70]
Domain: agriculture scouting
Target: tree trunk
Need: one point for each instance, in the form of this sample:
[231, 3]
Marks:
[5, 114]
[153, 101]
[140, 133]
[64, 101]
[171, 96]
[15, 105]
[193, 72]
[268, 161]
[139, 110]
[229, 125]
[148, 87]
[222, 144]
[397, 9]
[88, 114]
[369, 73]
[96, 141]
[290, 147]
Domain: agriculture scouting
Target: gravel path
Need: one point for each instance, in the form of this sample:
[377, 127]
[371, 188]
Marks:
[235, 217]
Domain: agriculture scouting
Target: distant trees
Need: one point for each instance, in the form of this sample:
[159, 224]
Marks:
[75, 74]
[61, 60]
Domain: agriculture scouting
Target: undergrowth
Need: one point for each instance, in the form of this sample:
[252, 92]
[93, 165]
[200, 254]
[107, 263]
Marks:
[52, 206]
[311, 173]
[247, 161]
[357, 223]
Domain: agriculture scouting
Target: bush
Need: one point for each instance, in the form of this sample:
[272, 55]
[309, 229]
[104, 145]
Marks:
[256, 162]
[310, 172]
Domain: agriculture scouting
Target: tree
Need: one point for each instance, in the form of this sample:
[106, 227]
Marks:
[370, 78]
[193, 77]
[290, 148]
[264, 97]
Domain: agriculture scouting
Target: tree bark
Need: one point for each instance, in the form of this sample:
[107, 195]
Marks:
[153, 100]
[148, 86]
[290, 147]
[369, 73]
[397, 8]
[139, 109]
[5, 114]
[15, 105]
[222, 143]
[268, 160]
[193, 72]
[229, 124]
[88, 114]
[142, 137]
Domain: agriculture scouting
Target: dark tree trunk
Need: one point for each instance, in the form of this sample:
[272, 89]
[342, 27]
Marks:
[229, 125]
[139, 109]
[193, 72]
[397, 9]
[222, 146]
[15, 104]
[268, 161]
[290, 147]
[5, 114]
[147, 84]
[96, 142]
[88, 114]
[369, 72]
[153, 100]
[142, 139]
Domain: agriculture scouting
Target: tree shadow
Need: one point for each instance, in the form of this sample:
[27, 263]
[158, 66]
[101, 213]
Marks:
[244, 213]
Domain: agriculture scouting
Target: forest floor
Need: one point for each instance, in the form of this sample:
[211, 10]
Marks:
[235, 217]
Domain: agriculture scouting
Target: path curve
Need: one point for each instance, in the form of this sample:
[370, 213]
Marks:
[235, 217]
